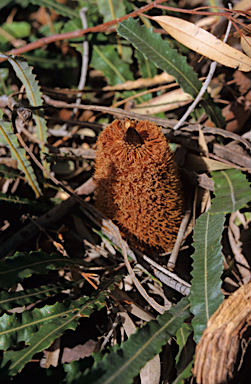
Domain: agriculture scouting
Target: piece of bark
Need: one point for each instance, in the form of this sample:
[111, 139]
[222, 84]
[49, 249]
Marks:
[218, 353]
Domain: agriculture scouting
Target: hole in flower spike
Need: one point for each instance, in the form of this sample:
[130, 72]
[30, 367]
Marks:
[132, 137]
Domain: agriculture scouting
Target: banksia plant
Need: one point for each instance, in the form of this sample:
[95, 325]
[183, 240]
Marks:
[137, 184]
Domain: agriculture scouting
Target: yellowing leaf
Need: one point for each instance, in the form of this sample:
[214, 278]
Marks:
[204, 43]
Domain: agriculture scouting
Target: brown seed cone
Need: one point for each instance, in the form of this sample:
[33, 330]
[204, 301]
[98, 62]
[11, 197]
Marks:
[137, 183]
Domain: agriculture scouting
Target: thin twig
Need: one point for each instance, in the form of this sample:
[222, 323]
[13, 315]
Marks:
[172, 275]
[114, 229]
[172, 260]
[80, 32]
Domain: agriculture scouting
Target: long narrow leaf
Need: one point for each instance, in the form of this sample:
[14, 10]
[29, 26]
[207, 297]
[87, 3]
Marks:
[9, 300]
[168, 59]
[19, 201]
[8, 138]
[28, 79]
[123, 363]
[232, 191]
[51, 322]
[8, 172]
[61, 9]
[206, 296]
[16, 268]
[111, 9]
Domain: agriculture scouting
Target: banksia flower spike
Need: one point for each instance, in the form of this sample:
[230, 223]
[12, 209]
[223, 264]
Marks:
[137, 184]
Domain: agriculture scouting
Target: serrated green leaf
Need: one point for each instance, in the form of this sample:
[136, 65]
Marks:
[124, 362]
[34, 95]
[111, 10]
[8, 172]
[206, 296]
[232, 191]
[9, 300]
[51, 322]
[61, 9]
[8, 138]
[156, 49]
[16, 268]
[33, 205]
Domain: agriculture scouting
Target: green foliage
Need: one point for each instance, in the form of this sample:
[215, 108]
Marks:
[40, 327]
[16, 268]
[232, 191]
[9, 139]
[111, 10]
[182, 335]
[146, 67]
[186, 374]
[168, 59]
[14, 30]
[32, 330]
[10, 300]
[61, 9]
[24, 73]
[106, 59]
[8, 173]
[3, 3]
[123, 363]
[19, 201]
[206, 293]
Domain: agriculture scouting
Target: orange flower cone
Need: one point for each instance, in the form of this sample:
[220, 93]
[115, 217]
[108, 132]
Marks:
[137, 184]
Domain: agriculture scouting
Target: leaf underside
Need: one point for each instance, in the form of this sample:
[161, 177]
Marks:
[232, 191]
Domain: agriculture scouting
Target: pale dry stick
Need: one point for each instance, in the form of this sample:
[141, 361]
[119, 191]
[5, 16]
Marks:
[172, 260]
[85, 57]
[172, 283]
[167, 124]
[110, 228]
[109, 335]
[114, 229]
[165, 271]
[206, 83]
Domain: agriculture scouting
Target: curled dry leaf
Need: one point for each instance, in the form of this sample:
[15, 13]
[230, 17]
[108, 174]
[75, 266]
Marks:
[218, 352]
[204, 42]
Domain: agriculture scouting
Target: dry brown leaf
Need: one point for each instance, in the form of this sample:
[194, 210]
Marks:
[242, 5]
[246, 44]
[141, 83]
[204, 42]
[202, 141]
[236, 246]
[166, 102]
